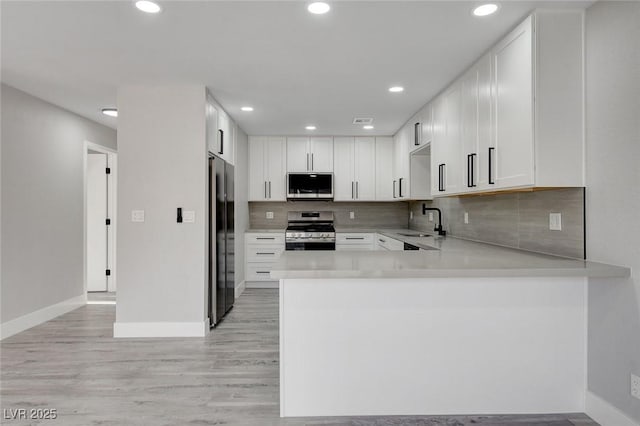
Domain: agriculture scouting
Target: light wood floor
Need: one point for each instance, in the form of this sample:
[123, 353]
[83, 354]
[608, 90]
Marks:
[73, 364]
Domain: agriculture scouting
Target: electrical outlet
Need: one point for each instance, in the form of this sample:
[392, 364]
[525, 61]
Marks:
[269, 215]
[555, 221]
[430, 216]
[635, 386]
[352, 215]
[466, 217]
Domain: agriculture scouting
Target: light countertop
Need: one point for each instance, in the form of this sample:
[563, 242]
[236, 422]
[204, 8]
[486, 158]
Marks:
[453, 258]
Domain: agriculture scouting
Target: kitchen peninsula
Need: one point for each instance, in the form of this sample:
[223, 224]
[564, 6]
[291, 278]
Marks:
[465, 328]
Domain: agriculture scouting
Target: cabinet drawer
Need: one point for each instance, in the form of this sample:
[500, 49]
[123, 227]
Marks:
[271, 238]
[355, 247]
[263, 253]
[354, 238]
[259, 272]
[389, 243]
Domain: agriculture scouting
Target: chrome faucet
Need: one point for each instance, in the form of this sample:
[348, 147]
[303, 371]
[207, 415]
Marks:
[438, 228]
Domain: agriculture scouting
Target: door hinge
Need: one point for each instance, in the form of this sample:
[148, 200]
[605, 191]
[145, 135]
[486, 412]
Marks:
[108, 272]
[108, 170]
[108, 221]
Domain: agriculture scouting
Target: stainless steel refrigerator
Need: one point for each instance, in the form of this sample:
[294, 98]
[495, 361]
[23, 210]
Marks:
[221, 240]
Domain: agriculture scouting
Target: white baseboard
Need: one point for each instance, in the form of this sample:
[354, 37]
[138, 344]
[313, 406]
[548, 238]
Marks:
[161, 329]
[40, 316]
[240, 289]
[606, 414]
[263, 284]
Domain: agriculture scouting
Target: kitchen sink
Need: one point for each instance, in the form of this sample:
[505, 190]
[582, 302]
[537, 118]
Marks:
[416, 235]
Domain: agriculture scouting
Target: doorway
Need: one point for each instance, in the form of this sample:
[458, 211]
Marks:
[100, 166]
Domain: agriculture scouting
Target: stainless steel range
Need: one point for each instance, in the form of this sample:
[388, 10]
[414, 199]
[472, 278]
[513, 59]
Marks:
[310, 231]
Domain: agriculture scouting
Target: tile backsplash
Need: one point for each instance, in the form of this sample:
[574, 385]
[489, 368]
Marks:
[519, 220]
[367, 214]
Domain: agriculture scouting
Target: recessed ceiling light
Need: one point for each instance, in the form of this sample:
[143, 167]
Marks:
[148, 6]
[367, 127]
[247, 109]
[396, 89]
[111, 112]
[310, 127]
[486, 9]
[319, 8]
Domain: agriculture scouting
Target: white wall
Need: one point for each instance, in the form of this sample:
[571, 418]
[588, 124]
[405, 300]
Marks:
[42, 202]
[162, 165]
[613, 198]
[241, 212]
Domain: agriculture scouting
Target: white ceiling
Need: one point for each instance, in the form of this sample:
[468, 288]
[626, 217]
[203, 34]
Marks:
[294, 68]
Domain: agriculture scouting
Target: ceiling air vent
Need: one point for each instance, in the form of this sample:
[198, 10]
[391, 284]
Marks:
[362, 120]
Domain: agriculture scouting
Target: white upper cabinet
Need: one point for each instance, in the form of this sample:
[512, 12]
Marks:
[344, 170]
[354, 169]
[364, 165]
[384, 168]
[401, 170]
[267, 168]
[513, 104]
[220, 132]
[313, 154]
[514, 119]
[426, 126]
[211, 114]
[298, 160]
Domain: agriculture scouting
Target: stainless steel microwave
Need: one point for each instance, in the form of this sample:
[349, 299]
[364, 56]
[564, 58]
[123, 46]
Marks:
[310, 186]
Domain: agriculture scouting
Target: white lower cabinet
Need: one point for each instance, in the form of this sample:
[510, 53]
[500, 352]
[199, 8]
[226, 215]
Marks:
[355, 241]
[386, 243]
[262, 251]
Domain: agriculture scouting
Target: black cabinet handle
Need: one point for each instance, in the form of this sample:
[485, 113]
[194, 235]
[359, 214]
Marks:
[354, 238]
[394, 189]
[221, 141]
[441, 177]
[269, 189]
[416, 134]
[470, 170]
[352, 192]
[491, 154]
[265, 238]
[262, 272]
[266, 253]
[357, 191]
[400, 187]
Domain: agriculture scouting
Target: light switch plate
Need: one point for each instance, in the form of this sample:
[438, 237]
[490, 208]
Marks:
[466, 217]
[352, 215]
[269, 215]
[430, 216]
[137, 215]
[555, 221]
[188, 216]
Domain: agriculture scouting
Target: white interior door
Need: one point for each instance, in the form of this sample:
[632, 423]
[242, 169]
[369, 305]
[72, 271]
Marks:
[96, 222]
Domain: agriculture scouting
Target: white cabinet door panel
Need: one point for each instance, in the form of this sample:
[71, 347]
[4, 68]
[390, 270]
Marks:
[275, 156]
[513, 82]
[344, 180]
[364, 165]
[321, 152]
[384, 168]
[257, 172]
[298, 158]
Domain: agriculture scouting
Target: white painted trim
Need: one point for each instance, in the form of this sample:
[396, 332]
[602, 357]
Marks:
[160, 329]
[240, 289]
[113, 196]
[40, 316]
[261, 284]
[606, 414]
